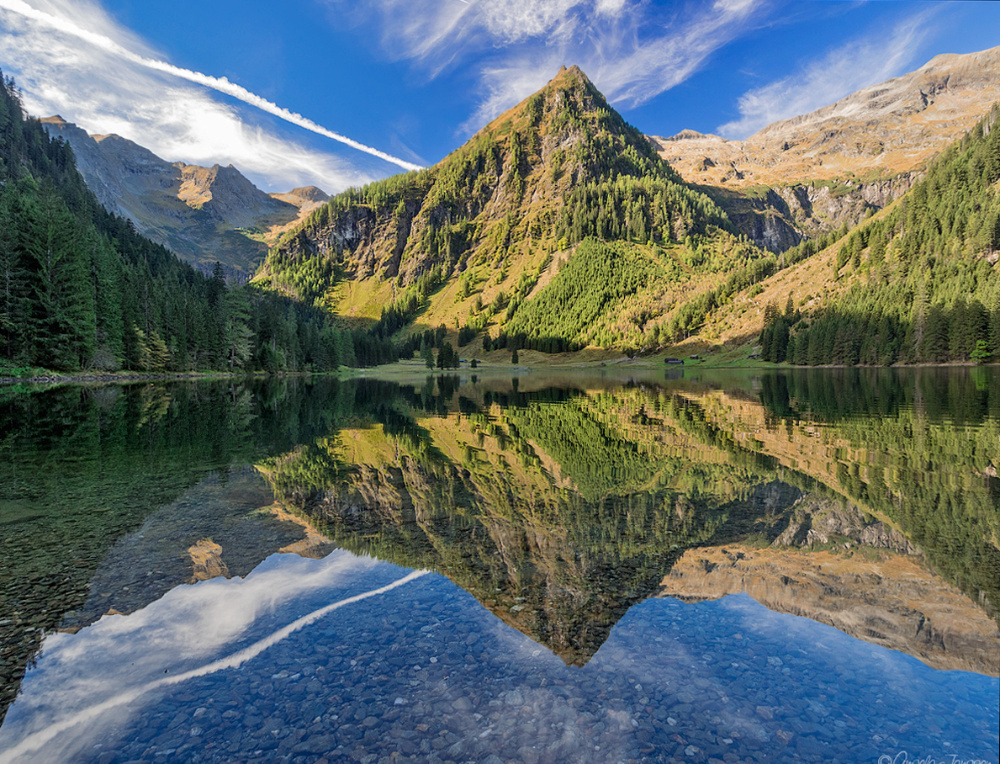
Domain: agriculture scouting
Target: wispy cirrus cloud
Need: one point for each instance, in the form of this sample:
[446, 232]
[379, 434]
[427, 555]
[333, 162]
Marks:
[633, 51]
[858, 64]
[112, 82]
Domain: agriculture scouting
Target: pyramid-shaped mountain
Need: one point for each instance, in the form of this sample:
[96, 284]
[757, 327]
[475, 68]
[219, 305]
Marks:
[556, 226]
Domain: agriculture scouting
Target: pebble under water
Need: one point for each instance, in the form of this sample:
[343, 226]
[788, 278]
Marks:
[759, 567]
[422, 672]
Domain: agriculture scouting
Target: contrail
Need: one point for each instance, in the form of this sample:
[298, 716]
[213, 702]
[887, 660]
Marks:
[43, 736]
[220, 84]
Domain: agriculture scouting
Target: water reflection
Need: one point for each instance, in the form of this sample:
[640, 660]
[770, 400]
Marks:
[79, 693]
[559, 508]
[578, 512]
[349, 657]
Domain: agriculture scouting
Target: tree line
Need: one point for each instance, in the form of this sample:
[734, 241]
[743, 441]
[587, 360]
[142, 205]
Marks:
[81, 289]
[925, 282]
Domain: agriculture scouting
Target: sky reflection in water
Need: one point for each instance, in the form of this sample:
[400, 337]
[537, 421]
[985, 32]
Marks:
[562, 511]
[424, 669]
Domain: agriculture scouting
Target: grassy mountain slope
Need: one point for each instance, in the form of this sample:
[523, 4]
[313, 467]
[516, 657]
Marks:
[484, 234]
[811, 173]
[918, 282]
[557, 228]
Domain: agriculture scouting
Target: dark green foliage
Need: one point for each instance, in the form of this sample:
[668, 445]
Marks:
[80, 289]
[447, 357]
[643, 209]
[930, 293]
[925, 438]
[466, 335]
[598, 276]
[775, 334]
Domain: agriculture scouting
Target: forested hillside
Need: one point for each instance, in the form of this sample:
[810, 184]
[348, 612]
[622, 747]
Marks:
[557, 228]
[487, 240]
[920, 283]
[80, 289]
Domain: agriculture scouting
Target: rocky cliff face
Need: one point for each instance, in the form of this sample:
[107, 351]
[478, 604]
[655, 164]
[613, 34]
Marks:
[203, 214]
[836, 164]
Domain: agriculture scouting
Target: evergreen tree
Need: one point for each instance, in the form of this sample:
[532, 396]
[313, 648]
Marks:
[935, 345]
[237, 336]
[61, 320]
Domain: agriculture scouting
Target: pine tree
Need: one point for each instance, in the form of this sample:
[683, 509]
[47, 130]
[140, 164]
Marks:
[779, 341]
[61, 321]
[935, 344]
[12, 276]
[960, 340]
[237, 329]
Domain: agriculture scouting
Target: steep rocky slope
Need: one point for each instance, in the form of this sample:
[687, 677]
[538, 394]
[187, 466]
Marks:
[815, 172]
[203, 214]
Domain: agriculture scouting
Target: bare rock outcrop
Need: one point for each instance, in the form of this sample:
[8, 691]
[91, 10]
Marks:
[203, 214]
[836, 164]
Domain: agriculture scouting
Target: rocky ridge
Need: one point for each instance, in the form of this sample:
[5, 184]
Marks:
[803, 176]
[203, 214]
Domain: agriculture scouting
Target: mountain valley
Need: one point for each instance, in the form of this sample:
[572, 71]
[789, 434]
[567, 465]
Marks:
[202, 214]
[867, 232]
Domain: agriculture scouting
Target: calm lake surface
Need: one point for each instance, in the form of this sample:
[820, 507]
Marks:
[682, 566]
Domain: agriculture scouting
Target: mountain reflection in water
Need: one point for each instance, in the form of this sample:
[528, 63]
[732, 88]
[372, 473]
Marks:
[580, 511]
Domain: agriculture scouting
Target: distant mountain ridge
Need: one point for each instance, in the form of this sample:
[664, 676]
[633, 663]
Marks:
[804, 176]
[202, 214]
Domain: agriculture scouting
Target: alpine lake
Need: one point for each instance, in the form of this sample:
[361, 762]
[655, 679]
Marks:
[672, 565]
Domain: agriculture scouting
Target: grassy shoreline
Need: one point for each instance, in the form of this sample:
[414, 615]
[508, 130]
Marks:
[529, 361]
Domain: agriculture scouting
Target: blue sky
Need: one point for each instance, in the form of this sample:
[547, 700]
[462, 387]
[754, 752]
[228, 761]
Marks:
[410, 80]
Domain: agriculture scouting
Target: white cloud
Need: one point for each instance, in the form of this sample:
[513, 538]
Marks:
[839, 73]
[113, 83]
[609, 7]
[632, 51]
[77, 693]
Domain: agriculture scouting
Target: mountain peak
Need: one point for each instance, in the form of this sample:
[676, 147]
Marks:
[573, 72]
[567, 108]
